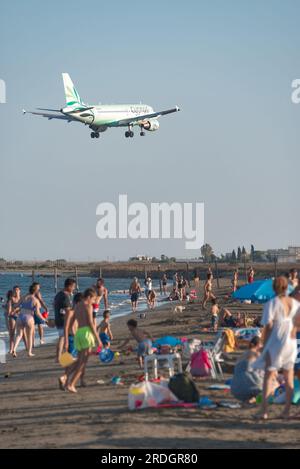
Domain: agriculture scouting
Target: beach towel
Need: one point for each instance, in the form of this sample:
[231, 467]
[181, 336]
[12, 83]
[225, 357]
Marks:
[230, 342]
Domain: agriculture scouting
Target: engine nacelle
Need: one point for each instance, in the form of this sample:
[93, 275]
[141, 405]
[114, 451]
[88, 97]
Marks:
[151, 125]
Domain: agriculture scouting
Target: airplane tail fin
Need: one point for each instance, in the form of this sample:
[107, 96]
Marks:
[72, 96]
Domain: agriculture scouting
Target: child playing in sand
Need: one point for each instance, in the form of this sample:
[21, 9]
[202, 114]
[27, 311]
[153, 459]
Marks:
[104, 330]
[143, 339]
[214, 315]
[85, 338]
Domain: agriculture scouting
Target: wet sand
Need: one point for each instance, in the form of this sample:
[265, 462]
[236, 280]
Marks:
[34, 413]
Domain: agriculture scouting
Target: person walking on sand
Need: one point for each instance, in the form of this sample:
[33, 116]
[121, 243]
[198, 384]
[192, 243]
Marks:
[104, 330]
[62, 304]
[37, 293]
[208, 293]
[280, 345]
[85, 339]
[12, 309]
[251, 275]
[29, 306]
[101, 293]
[235, 279]
[134, 292]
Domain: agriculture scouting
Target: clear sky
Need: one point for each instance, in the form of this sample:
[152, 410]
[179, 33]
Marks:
[235, 145]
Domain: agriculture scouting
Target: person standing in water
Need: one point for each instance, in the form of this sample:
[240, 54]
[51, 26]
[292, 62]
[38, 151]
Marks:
[134, 292]
[164, 281]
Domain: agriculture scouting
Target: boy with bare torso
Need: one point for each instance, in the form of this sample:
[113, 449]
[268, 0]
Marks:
[104, 330]
[143, 338]
[85, 339]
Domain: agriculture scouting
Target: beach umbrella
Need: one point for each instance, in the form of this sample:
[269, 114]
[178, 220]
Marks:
[258, 292]
[167, 340]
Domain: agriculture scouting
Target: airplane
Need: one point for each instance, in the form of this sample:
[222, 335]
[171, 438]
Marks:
[103, 116]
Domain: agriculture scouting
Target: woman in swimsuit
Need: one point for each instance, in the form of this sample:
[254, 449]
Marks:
[29, 306]
[11, 314]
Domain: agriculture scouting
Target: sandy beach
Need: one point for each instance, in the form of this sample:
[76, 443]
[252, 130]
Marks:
[36, 414]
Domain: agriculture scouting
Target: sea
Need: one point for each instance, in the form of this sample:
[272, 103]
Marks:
[119, 299]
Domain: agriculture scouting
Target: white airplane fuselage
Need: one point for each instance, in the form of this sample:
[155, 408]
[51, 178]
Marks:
[103, 115]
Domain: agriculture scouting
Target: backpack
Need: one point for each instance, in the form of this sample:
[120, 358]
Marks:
[184, 388]
[200, 363]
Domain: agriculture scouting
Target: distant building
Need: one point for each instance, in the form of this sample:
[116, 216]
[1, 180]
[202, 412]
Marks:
[141, 258]
[287, 256]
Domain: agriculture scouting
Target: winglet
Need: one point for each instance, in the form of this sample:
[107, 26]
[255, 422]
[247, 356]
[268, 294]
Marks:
[177, 108]
[24, 112]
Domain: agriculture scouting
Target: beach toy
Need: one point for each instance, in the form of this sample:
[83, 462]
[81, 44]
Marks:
[106, 355]
[117, 355]
[116, 380]
[45, 314]
[205, 402]
[99, 349]
[66, 360]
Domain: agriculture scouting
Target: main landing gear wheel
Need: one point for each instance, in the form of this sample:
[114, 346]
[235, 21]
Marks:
[129, 133]
[95, 135]
[92, 134]
[142, 133]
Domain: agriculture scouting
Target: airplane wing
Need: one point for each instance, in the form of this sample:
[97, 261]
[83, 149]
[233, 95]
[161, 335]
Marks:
[131, 120]
[50, 116]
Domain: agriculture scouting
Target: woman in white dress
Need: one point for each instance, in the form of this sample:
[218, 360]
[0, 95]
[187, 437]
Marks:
[280, 345]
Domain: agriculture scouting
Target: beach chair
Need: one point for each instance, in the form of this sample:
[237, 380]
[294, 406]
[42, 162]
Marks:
[171, 359]
[215, 355]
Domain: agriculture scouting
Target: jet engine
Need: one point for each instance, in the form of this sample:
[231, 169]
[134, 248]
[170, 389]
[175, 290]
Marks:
[151, 125]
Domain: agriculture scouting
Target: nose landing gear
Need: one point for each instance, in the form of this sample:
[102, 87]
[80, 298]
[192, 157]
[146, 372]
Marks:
[95, 135]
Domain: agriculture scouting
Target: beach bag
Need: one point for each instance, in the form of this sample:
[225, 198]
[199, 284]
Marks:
[190, 347]
[184, 388]
[147, 394]
[200, 364]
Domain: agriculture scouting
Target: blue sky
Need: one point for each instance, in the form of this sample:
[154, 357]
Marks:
[235, 145]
